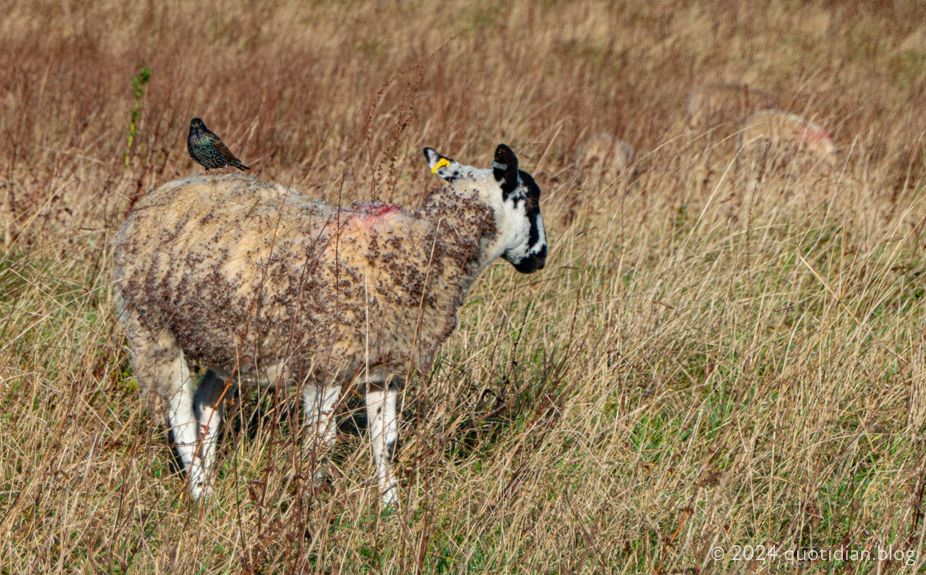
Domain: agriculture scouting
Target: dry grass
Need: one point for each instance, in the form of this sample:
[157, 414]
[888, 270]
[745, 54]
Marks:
[703, 362]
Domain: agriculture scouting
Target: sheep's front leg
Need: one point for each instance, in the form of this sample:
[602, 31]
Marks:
[319, 404]
[384, 433]
[206, 400]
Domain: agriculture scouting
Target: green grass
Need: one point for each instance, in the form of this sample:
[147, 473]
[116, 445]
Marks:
[703, 362]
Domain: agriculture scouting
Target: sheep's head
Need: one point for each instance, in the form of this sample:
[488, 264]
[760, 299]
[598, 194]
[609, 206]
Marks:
[513, 194]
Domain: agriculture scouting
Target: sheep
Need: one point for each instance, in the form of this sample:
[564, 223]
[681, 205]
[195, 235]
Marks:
[713, 104]
[773, 139]
[258, 282]
[603, 158]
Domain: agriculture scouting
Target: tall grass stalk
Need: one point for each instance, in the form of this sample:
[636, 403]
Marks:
[703, 363]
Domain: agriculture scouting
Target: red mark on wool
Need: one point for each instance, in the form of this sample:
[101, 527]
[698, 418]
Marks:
[377, 209]
[815, 135]
[368, 216]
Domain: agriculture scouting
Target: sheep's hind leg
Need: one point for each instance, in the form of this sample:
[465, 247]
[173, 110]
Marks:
[319, 403]
[182, 418]
[160, 367]
[207, 408]
[384, 433]
[175, 377]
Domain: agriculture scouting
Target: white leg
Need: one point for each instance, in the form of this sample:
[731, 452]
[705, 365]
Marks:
[206, 404]
[319, 403]
[384, 433]
[181, 415]
[160, 367]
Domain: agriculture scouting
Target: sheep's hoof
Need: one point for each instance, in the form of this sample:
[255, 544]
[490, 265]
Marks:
[199, 491]
[317, 488]
[320, 475]
[390, 500]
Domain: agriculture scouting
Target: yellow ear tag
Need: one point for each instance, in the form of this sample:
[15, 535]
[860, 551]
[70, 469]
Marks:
[440, 164]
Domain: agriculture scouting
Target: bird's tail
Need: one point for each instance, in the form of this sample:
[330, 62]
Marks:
[238, 164]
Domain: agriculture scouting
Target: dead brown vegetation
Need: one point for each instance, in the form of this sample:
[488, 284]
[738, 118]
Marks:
[701, 363]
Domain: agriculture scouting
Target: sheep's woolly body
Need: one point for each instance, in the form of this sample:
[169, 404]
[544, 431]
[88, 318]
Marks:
[775, 139]
[240, 276]
[788, 129]
[602, 157]
[372, 285]
[714, 104]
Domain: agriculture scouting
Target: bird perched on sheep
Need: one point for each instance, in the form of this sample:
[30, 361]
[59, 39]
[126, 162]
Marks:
[258, 282]
[711, 105]
[208, 149]
[603, 158]
[773, 140]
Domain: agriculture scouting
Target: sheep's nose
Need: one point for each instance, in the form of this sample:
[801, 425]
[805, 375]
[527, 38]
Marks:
[533, 262]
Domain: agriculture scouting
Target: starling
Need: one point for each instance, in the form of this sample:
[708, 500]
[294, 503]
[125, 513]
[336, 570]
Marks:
[208, 149]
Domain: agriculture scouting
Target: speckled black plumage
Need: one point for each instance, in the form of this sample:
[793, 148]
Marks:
[207, 148]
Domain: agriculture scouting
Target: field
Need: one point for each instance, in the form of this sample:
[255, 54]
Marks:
[705, 362]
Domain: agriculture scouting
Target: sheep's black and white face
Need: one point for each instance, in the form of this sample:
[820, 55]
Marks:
[516, 198]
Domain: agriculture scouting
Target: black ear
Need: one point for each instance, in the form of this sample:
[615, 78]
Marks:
[505, 168]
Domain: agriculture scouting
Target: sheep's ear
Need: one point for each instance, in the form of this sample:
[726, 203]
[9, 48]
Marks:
[505, 167]
[441, 166]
